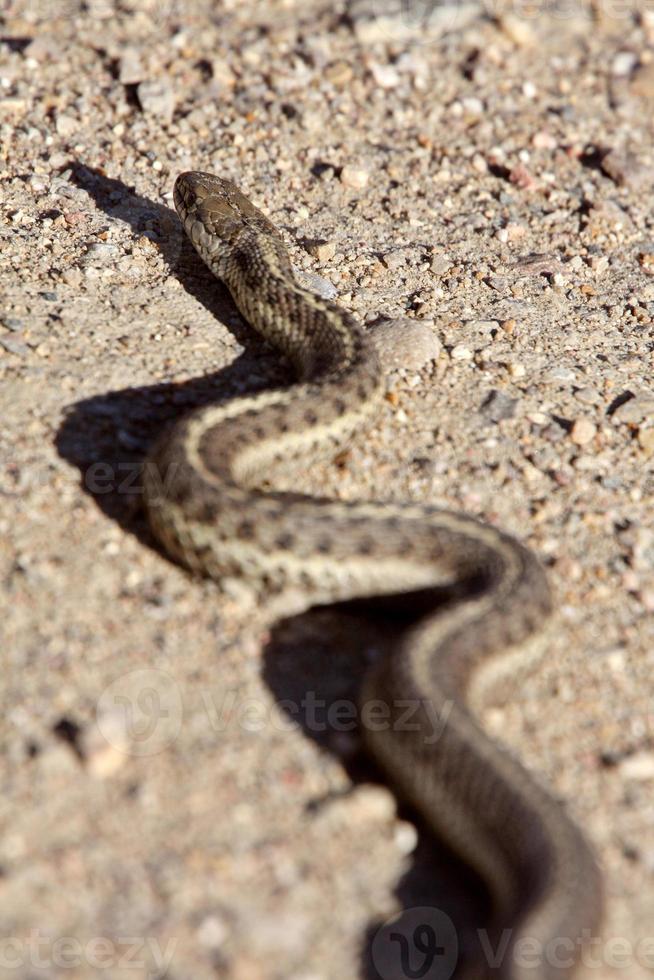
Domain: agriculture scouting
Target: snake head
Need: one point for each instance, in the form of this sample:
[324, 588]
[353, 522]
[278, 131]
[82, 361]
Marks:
[214, 213]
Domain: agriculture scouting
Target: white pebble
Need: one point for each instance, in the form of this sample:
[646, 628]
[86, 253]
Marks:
[623, 63]
[461, 353]
[405, 837]
[385, 76]
[583, 431]
[639, 766]
[354, 177]
[66, 125]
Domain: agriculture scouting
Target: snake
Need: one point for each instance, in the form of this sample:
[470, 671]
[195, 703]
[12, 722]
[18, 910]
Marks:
[220, 498]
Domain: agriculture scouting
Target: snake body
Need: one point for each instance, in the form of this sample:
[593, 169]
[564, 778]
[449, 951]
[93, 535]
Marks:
[208, 501]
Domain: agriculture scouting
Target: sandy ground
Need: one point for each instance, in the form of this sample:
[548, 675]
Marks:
[177, 799]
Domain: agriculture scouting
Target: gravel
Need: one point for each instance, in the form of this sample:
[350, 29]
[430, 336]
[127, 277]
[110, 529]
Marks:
[480, 185]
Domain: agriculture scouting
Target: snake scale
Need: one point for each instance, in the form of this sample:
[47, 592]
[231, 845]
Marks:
[208, 499]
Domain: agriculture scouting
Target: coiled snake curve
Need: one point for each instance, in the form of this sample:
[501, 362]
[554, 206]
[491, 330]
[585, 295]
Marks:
[206, 503]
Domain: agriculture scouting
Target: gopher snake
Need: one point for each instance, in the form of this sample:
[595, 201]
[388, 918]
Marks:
[205, 501]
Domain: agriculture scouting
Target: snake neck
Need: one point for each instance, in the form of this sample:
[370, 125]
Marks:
[323, 340]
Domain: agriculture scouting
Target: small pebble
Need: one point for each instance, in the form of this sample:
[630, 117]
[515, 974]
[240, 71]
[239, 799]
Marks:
[212, 932]
[222, 74]
[515, 231]
[103, 759]
[557, 375]
[498, 406]
[646, 260]
[639, 766]
[517, 370]
[354, 177]
[405, 344]
[317, 284]
[522, 178]
[405, 837]
[322, 250]
[440, 263]
[472, 106]
[583, 431]
[131, 67]
[461, 353]
[101, 253]
[157, 99]
[636, 410]
[385, 76]
[599, 264]
[72, 277]
[66, 124]
[543, 140]
[394, 259]
[14, 346]
[12, 323]
[623, 63]
[588, 396]
[374, 803]
[518, 30]
[340, 73]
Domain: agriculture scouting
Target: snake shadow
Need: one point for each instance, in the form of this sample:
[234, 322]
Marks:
[313, 664]
[107, 436]
[316, 659]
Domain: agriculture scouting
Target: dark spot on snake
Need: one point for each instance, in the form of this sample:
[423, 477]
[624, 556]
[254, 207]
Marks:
[285, 541]
[339, 406]
[206, 511]
[241, 260]
[310, 417]
[245, 530]
[205, 556]
[324, 546]
[365, 547]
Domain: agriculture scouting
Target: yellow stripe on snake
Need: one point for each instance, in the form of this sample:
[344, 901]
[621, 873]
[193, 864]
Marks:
[207, 497]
